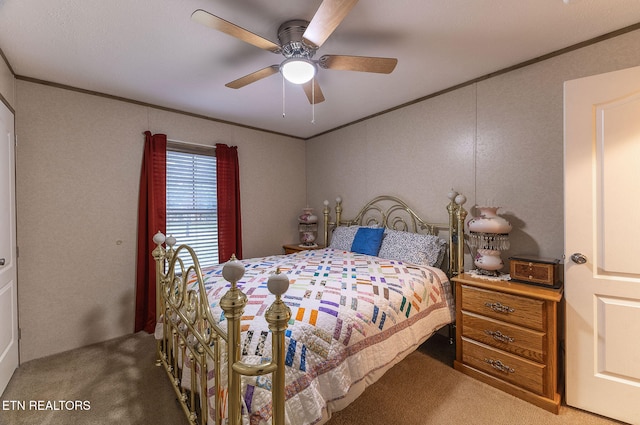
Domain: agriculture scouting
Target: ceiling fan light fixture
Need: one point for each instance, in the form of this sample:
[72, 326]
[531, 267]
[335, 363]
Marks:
[298, 70]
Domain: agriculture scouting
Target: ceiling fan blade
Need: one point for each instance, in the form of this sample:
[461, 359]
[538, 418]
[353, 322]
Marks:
[233, 30]
[326, 20]
[253, 77]
[313, 91]
[358, 63]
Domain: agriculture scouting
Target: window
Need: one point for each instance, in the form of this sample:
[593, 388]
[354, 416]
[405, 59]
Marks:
[192, 207]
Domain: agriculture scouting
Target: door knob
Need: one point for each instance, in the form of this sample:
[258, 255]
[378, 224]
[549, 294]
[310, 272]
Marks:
[578, 258]
[1, 261]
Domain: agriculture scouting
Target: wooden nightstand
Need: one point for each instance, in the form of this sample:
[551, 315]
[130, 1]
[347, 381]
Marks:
[507, 336]
[291, 248]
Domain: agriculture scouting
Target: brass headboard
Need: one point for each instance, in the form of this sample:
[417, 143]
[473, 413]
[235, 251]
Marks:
[393, 213]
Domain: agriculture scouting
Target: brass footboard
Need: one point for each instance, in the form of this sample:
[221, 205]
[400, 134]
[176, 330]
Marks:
[190, 343]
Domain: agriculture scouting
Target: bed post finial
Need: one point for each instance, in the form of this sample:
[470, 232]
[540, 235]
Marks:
[278, 283]
[232, 271]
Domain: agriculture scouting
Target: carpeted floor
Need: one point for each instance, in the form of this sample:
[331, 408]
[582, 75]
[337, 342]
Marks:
[118, 379]
[116, 382]
[424, 389]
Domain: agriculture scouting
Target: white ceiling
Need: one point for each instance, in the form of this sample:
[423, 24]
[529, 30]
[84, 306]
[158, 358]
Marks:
[151, 51]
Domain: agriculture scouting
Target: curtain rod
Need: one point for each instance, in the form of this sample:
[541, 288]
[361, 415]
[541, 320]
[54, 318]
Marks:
[194, 146]
[199, 145]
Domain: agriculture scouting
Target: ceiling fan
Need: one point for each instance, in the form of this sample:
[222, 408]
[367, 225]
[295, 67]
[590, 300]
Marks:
[299, 41]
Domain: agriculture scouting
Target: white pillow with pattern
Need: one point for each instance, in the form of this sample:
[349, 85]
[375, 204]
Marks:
[413, 248]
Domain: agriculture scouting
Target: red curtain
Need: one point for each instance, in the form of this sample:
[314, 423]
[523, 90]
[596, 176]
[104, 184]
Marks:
[228, 180]
[151, 219]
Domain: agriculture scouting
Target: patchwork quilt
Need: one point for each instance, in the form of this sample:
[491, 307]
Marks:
[352, 316]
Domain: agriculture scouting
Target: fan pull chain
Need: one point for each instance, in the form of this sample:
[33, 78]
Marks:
[283, 97]
[313, 100]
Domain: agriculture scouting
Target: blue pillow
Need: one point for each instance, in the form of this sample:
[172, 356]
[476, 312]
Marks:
[367, 240]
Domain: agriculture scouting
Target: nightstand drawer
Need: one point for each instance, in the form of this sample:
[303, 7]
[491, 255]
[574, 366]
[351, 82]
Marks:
[522, 311]
[513, 369]
[511, 338]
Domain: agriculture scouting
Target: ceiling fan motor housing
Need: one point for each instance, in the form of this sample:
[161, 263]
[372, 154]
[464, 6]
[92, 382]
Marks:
[290, 37]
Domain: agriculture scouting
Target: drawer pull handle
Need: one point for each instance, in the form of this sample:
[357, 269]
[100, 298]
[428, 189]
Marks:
[499, 308]
[498, 336]
[498, 365]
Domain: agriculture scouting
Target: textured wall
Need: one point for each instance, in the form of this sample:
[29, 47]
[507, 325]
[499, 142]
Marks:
[498, 141]
[398, 154]
[78, 170]
[7, 83]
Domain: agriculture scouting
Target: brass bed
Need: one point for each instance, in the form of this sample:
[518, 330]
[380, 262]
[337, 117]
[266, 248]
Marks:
[206, 360]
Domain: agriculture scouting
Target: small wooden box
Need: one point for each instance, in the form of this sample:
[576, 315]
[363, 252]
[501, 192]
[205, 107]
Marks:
[537, 271]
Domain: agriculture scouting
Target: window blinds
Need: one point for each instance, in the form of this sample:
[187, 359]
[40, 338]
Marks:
[192, 208]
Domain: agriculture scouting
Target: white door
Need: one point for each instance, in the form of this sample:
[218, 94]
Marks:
[8, 284]
[602, 236]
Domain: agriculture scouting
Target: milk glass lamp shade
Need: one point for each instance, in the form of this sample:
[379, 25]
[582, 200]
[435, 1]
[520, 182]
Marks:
[489, 234]
[308, 227]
